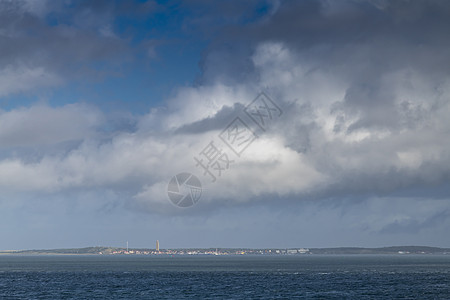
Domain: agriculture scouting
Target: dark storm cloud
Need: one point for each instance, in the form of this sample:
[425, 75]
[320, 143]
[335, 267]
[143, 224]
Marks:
[217, 122]
[61, 40]
[30, 37]
[357, 40]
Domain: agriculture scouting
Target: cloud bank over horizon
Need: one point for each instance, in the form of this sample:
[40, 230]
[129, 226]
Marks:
[362, 141]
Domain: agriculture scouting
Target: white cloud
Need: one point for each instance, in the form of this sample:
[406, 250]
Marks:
[21, 78]
[303, 154]
[349, 125]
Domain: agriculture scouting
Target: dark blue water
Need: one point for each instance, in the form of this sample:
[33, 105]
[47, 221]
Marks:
[225, 277]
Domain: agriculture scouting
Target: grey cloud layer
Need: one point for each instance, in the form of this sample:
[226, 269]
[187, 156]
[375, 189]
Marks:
[365, 90]
[46, 43]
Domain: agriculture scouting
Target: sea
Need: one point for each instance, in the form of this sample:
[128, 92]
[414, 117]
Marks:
[225, 277]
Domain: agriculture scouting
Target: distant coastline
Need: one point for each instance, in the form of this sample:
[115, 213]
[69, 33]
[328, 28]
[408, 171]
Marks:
[397, 250]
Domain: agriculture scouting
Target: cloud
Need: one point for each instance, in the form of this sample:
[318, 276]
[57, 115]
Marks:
[21, 78]
[41, 124]
[359, 156]
[217, 122]
[41, 46]
[364, 92]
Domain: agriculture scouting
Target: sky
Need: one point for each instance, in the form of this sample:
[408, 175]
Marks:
[344, 106]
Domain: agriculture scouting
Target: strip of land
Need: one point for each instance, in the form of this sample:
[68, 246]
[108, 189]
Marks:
[399, 250]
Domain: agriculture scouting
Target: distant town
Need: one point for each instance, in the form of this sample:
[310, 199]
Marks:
[397, 250]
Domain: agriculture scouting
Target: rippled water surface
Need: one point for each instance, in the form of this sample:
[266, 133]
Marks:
[225, 277]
